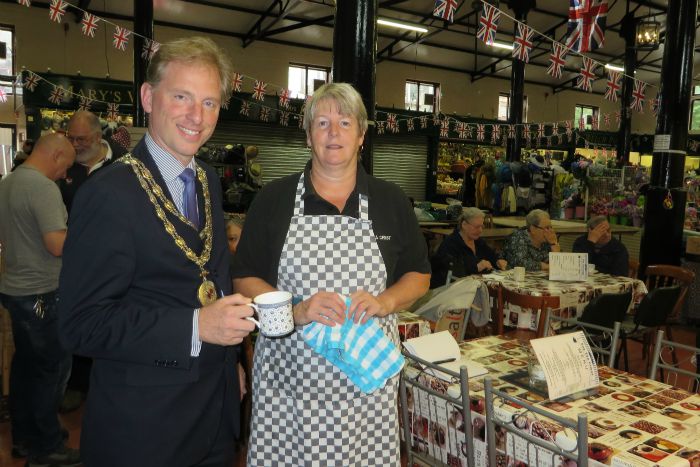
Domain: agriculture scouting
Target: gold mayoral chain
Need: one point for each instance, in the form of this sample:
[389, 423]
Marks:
[206, 293]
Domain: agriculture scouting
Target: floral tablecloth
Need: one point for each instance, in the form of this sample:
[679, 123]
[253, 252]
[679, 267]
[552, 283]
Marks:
[633, 421]
[573, 296]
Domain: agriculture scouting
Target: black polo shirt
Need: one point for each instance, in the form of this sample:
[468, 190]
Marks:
[401, 243]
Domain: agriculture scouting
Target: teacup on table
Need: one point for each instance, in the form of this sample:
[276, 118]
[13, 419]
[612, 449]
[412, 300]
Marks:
[274, 310]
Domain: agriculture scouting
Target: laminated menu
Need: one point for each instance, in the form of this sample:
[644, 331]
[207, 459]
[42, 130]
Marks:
[568, 266]
[568, 363]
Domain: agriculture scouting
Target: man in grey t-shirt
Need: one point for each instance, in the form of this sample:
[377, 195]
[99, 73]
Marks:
[32, 233]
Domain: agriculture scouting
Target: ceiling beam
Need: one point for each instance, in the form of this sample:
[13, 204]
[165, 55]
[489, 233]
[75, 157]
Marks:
[282, 6]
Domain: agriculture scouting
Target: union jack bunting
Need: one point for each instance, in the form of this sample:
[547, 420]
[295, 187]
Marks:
[605, 153]
[655, 103]
[150, 47]
[112, 112]
[526, 132]
[569, 127]
[488, 24]
[462, 130]
[638, 96]
[540, 130]
[594, 122]
[57, 10]
[445, 9]
[89, 24]
[613, 85]
[424, 121]
[586, 28]
[25, 2]
[606, 120]
[57, 94]
[581, 123]
[265, 114]
[284, 98]
[226, 103]
[445, 128]
[557, 60]
[85, 103]
[3, 96]
[523, 43]
[511, 131]
[284, 118]
[495, 133]
[236, 82]
[31, 81]
[259, 90]
[618, 117]
[245, 108]
[120, 38]
[380, 128]
[480, 131]
[587, 76]
[410, 125]
[437, 121]
[391, 123]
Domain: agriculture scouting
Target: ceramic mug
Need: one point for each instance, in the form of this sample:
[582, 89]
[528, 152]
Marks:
[275, 317]
[518, 273]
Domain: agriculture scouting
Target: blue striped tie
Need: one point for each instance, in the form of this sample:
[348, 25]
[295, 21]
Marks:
[189, 197]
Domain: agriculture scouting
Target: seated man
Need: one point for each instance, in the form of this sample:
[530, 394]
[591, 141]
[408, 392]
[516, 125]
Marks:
[607, 253]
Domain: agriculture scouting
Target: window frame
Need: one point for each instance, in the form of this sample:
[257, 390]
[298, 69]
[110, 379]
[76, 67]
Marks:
[307, 67]
[436, 95]
[595, 111]
[507, 96]
[9, 84]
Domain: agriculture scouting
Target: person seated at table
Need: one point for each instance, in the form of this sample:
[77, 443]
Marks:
[529, 246]
[608, 254]
[463, 251]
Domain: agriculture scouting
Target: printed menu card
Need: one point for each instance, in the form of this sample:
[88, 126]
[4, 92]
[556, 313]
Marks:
[568, 266]
[568, 363]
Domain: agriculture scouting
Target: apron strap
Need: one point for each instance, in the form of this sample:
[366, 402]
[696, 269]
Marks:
[299, 202]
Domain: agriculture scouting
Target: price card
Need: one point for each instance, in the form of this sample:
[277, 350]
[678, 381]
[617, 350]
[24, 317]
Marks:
[568, 266]
[568, 363]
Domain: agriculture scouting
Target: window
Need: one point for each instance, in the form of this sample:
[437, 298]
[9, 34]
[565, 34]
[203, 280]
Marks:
[696, 90]
[422, 96]
[587, 112]
[305, 79]
[695, 115]
[504, 107]
[7, 68]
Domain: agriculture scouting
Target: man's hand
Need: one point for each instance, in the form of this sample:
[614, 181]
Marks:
[502, 264]
[223, 322]
[597, 232]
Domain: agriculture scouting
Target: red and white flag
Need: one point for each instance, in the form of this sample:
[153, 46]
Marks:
[150, 47]
[284, 98]
[31, 81]
[568, 125]
[265, 114]
[488, 24]
[284, 118]
[523, 43]
[112, 112]
[25, 2]
[495, 133]
[245, 108]
[606, 120]
[259, 90]
[57, 9]
[120, 38]
[613, 85]
[89, 24]
[540, 130]
[3, 96]
[557, 60]
[480, 131]
[85, 103]
[638, 96]
[236, 82]
[586, 27]
[56, 95]
[587, 76]
[445, 128]
[410, 125]
[655, 104]
[424, 121]
[391, 123]
[462, 130]
[582, 123]
[445, 9]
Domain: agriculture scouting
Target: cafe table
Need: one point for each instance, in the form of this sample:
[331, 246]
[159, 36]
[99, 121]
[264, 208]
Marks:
[572, 296]
[412, 325]
[632, 420]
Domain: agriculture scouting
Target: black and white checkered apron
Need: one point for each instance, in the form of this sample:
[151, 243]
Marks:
[306, 412]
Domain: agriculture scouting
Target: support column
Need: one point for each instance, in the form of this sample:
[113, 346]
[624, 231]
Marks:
[354, 58]
[665, 205]
[517, 83]
[143, 26]
[624, 133]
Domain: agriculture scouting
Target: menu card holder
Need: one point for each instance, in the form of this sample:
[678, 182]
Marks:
[568, 363]
[568, 266]
[442, 350]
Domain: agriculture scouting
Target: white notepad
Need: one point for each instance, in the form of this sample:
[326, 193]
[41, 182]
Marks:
[442, 346]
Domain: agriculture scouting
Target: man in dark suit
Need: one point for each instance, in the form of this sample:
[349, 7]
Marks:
[144, 262]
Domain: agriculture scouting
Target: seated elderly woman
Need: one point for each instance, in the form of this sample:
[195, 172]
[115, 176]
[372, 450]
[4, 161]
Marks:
[529, 246]
[463, 251]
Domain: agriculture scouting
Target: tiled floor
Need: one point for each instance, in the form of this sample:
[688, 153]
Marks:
[72, 420]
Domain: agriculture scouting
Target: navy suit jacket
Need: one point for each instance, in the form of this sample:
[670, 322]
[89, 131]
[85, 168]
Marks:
[127, 296]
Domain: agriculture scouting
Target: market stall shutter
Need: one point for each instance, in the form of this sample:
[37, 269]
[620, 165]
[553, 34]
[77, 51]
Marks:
[402, 160]
[281, 150]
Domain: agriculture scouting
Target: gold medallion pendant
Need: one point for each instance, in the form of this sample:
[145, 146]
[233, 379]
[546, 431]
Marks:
[206, 292]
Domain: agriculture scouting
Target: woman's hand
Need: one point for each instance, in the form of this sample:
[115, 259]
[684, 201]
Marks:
[365, 305]
[323, 307]
[544, 266]
[551, 237]
[484, 265]
[502, 264]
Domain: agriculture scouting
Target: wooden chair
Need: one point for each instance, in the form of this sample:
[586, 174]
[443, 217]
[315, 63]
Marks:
[633, 269]
[537, 304]
[571, 443]
[686, 368]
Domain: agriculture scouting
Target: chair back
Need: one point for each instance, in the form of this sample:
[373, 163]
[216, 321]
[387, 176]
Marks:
[657, 306]
[602, 340]
[666, 275]
[680, 371]
[633, 269]
[607, 308]
[568, 444]
[420, 400]
[535, 303]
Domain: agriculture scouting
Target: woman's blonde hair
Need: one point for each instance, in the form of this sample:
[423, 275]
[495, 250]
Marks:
[347, 99]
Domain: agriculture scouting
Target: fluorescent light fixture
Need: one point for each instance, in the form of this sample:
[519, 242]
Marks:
[501, 45]
[396, 24]
[614, 67]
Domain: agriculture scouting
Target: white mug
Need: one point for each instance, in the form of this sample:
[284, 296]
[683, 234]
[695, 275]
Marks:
[518, 273]
[275, 317]
[591, 268]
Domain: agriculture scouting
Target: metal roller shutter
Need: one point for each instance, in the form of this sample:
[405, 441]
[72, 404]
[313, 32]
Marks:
[402, 160]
